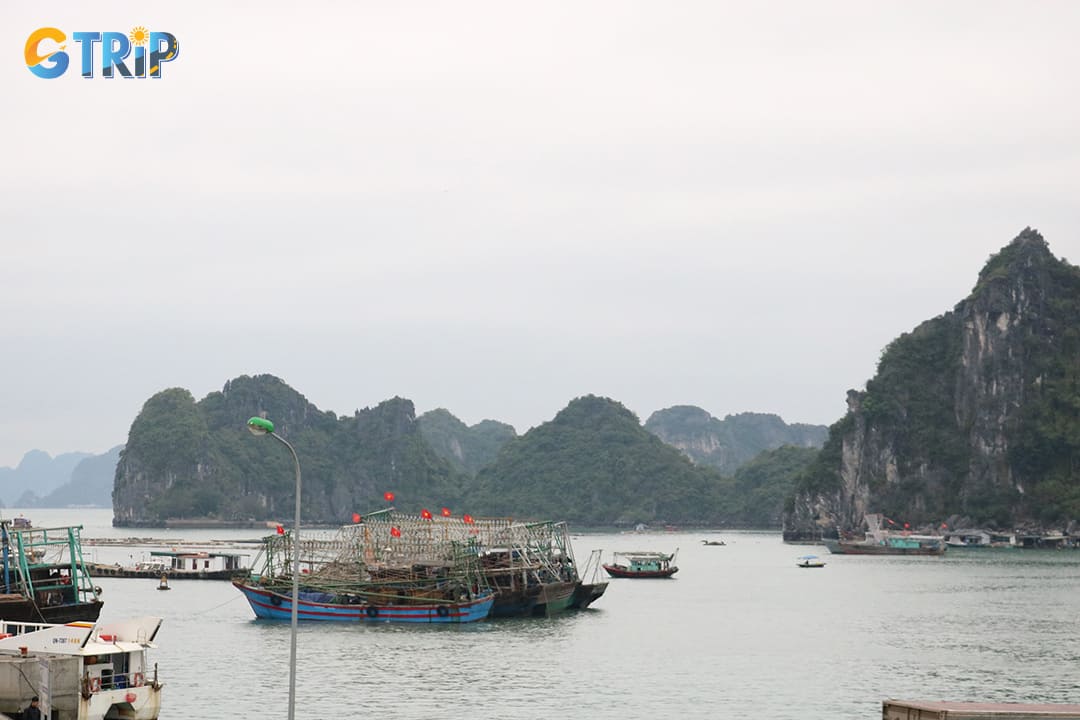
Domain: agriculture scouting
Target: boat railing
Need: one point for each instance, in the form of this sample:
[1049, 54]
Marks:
[9, 628]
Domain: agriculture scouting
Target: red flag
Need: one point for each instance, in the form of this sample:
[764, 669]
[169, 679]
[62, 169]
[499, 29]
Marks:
[944, 526]
[907, 526]
[467, 518]
[355, 518]
[388, 496]
[280, 530]
[426, 514]
[395, 532]
[446, 512]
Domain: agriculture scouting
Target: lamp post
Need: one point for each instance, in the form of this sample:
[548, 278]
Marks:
[262, 426]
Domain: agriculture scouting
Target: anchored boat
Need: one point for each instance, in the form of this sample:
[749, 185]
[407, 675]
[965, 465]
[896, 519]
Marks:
[178, 566]
[43, 578]
[356, 577]
[879, 541]
[80, 670]
[355, 606]
[642, 564]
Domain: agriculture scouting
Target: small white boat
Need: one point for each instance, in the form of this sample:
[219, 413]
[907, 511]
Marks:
[81, 670]
[810, 561]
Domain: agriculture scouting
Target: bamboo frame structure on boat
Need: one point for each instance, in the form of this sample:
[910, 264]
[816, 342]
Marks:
[398, 558]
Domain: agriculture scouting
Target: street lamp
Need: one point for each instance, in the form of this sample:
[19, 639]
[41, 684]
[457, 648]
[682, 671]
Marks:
[262, 426]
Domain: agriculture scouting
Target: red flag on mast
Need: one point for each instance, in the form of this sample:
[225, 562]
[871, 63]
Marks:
[394, 532]
[280, 530]
[388, 496]
[426, 514]
[446, 512]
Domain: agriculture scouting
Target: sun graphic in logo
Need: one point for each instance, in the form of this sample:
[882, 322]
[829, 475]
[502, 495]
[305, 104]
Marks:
[139, 35]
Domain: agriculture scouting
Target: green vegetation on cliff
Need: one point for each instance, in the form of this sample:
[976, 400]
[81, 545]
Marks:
[466, 448]
[973, 413]
[755, 496]
[195, 459]
[595, 464]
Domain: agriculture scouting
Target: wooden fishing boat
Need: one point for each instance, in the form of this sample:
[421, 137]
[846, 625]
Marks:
[354, 606]
[879, 541]
[43, 578]
[642, 564]
[591, 587]
[352, 579]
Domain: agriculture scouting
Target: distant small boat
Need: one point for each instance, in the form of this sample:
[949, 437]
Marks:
[164, 584]
[713, 542]
[810, 561]
[642, 564]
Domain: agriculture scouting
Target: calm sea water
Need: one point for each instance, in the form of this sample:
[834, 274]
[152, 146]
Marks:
[739, 632]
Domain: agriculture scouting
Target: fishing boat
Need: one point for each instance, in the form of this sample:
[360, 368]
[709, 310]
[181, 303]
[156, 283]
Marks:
[355, 606]
[591, 587]
[879, 541]
[192, 565]
[530, 566]
[43, 578]
[810, 561]
[713, 542]
[80, 670]
[514, 580]
[642, 564]
[356, 577]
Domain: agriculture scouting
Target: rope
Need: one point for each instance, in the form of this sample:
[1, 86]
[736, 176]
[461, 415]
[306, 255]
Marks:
[215, 607]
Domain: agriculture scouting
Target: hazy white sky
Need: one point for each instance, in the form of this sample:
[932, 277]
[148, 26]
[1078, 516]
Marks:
[495, 207]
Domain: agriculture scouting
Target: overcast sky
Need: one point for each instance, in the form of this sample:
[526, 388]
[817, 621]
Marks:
[495, 207]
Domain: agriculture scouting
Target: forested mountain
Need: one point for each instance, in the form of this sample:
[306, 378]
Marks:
[466, 448]
[196, 459]
[37, 474]
[595, 464]
[756, 495]
[974, 413]
[732, 442]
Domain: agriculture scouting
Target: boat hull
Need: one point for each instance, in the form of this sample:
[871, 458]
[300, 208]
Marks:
[621, 571]
[515, 603]
[840, 547]
[19, 609]
[554, 598]
[273, 605]
[98, 570]
[586, 594]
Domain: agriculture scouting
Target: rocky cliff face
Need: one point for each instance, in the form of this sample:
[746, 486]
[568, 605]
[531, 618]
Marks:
[732, 442]
[466, 448]
[973, 413]
[187, 459]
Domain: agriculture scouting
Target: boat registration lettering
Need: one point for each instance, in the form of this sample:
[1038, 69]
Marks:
[66, 641]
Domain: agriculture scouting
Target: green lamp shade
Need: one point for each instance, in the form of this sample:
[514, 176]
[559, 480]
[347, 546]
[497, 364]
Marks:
[260, 426]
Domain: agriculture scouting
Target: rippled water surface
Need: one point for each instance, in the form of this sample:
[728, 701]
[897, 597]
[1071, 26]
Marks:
[739, 632]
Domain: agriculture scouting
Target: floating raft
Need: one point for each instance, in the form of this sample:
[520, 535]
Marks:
[947, 710]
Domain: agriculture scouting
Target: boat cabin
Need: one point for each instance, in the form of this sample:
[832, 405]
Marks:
[173, 561]
[80, 670]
